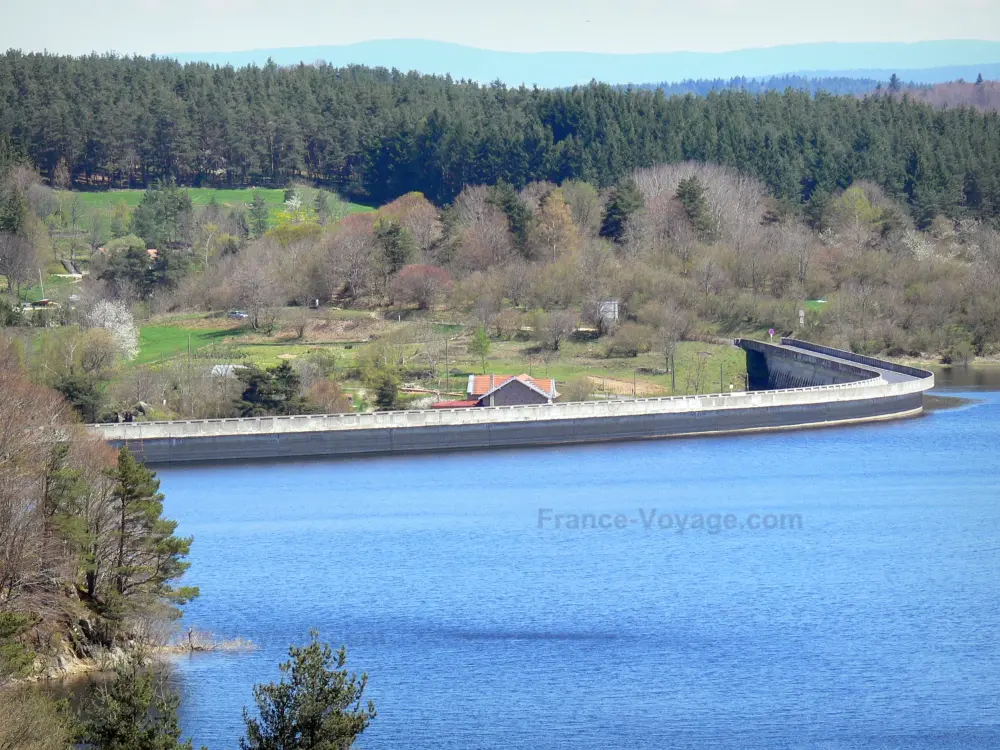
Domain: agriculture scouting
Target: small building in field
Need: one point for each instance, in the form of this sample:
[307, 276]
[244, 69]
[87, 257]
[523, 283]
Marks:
[504, 390]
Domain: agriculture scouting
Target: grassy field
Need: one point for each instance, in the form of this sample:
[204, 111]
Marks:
[56, 287]
[104, 199]
[158, 342]
[701, 367]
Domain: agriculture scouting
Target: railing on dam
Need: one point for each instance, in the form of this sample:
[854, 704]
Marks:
[867, 388]
[863, 359]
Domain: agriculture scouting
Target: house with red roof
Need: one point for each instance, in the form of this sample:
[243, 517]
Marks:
[504, 390]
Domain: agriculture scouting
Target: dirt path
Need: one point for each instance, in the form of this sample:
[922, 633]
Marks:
[622, 387]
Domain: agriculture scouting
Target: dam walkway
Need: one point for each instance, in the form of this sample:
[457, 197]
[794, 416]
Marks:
[792, 385]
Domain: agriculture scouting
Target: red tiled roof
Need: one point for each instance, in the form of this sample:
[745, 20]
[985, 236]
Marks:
[485, 383]
[454, 404]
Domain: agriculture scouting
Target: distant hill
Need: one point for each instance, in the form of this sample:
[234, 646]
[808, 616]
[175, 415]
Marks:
[921, 62]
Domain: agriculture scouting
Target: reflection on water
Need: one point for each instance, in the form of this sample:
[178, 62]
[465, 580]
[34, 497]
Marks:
[985, 377]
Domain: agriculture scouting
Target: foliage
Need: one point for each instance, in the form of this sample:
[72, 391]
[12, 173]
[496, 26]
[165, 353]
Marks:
[163, 218]
[380, 134]
[576, 389]
[260, 214]
[83, 393]
[691, 194]
[15, 659]
[629, 340]
[625, 202]
[82, 537]
[274, 391]
[33, 721]
[386, 387]
[326, 397]
[116, 318]
[519, 216]
[126, 243]
[396, 243]
[480, 345]
[420, 285]
[134, 712]
[147, 558]
[317, 705]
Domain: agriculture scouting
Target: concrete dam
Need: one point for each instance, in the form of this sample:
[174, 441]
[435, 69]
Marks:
[790, 386]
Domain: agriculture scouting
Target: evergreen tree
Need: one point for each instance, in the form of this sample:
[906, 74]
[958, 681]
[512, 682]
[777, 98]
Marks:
[817, 210]
[164, 217]
[377, 135]
[625, 202]
[317, 705]
[83, 394]
[322, 206]
[979, 80]
[147, 557]
[691, 194]
[519, 215]
[398, 247]
[386, 392]
[259, 214]
[274, 391]
[134, 712]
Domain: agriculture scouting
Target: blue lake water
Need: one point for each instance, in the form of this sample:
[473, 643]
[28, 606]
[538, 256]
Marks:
[875, 624]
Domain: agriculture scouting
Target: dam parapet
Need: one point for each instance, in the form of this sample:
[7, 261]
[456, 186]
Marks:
[820, 388]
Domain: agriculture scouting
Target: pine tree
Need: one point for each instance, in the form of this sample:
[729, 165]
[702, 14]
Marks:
[319, 706]
[691, 194]
[322, 206]
[147, 557]
[519, 216]
[626, 201]
[134, 712]
[398, 247]
[260, 214]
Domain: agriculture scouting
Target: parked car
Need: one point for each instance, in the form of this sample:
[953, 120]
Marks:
[239, 314]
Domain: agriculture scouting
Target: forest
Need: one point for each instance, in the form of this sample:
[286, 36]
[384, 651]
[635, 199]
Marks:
[374, 134]
[838, 85]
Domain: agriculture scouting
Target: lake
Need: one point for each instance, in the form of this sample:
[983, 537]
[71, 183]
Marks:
[843, 590]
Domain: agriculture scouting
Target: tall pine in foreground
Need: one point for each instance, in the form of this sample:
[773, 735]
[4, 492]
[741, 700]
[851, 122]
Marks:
[147, 557]
[317, 705]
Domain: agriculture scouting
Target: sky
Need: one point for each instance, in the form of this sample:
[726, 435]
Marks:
[176, 26]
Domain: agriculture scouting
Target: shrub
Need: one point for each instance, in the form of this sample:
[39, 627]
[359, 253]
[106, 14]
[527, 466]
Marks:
[576, 389]
[420, 285]
[326, 397]
[630, 340]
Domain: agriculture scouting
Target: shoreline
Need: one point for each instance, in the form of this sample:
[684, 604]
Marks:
[65, 668]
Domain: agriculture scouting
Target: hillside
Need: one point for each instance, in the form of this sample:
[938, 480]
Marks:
[912, 62]
[374, 136]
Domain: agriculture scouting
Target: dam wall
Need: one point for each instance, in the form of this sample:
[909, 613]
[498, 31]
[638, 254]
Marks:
[848, 392]
[770, 369]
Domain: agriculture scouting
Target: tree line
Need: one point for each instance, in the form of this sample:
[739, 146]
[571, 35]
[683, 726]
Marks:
[376, 134]
[838, 85]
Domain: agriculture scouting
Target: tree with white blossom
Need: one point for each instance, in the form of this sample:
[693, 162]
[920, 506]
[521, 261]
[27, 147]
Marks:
[115, 317]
